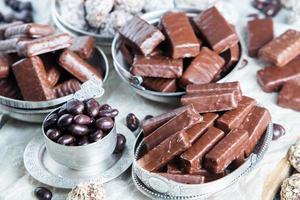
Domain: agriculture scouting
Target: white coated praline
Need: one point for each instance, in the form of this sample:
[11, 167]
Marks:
[87, 191]
[294, 155]
[152, 5]
[290, 188]
[116, 20]
[73, 12]
[132, 6]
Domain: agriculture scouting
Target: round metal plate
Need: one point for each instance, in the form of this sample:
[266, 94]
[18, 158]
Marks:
[44, 169]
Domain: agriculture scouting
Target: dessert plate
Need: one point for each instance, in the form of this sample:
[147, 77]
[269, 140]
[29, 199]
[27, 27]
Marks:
[44, 169]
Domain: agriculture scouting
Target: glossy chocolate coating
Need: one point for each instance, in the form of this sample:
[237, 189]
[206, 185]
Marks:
[53, 74]
[216, 30]
[142, 35]
[97, 135]
[282, 49]
[272, 78]
[44, 45]
[108, 113]
[132, 122]
[78, 67]
[53, 134]
[75, 106]
[51, 121]
[289, 96]
[35, 88]
[260, 32]
[82, 119]
[104, 123]
[92, 107]
[160, 84]
[165, 151]
[180, 34]
[192, 158]
[66, 88]
[234, 118]
[64, 120]
[203, 68]
[30, 30]
[42, 193]
[5, 63]
[78, 130]
[180, 122]
[227, 150]
[121, 143]
[184, 178]
[3, 27]
[66, 140]
[84, 46]
[157, 66]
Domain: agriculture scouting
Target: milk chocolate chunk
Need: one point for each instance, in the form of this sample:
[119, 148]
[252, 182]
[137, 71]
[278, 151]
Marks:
[52, 69]
[8, 88]
[78, 67]
[289, 96]
[180, 122]
[35, 88]
[165, 152]
[192, 158]
[142, 35]
[44, 45]
[126, 52]
[84, 46]
[210, 87]
[216, 30]
[203, 68]
[3, 27]
[180, 34]
[66, 88]
[160, 84]
[198, 129]
[5, 63]
[272, 78]
[255, 123]
[157, 66]
[234, 118]
[154, 123]
[173, 169]
[212, 101]
[260, 32]
[282, 49]
[227, 150]
[31, 30]
[184, 178]
[238, 161]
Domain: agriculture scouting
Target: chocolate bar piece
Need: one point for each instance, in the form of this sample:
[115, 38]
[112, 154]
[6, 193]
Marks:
[184, 178]
[282, 49]
[210, 176]
[30, 30]
[255, 123]
[157, 66]
[173, 169]
[160, 84]
[210, 87]
[212, 101]
[198, 129]
[53, 74]
[238, 161]
[260, 33]
[5, 63]
[165, 151]
[234, 118]
[272, 78]
[126, 52]
[78, 67]
[10, 45]
[9, 88]
[192, 158]
[66, 88]
[44, 45]
[227, 150]
[32, 79]
[289, 96]
[203, 68]
[84, 46]
[216, 30]
[180, 34]
[142, 35]
[3, 27]
[181, 121]
[153, 123]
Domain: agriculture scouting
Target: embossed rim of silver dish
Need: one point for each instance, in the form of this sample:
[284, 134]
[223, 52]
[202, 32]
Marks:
[167, 187]
[34, 165]
[124, 74]
[103, 40]
[32, 105]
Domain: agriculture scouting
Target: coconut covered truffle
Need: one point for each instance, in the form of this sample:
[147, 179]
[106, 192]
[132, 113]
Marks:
[290, 188]
[132, 6]
[87, 191]
[294, 155]
[115, 21]
[152, 5]
[73, 12]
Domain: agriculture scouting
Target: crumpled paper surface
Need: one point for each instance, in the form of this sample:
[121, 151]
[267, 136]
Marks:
[17, 184]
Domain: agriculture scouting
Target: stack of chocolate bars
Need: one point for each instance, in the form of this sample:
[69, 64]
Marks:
[36, 64]
[210, 136]
[282, 55]
[180, 51]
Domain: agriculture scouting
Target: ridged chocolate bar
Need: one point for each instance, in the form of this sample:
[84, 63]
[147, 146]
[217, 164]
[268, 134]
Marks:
[31, 30]
[160, 84]
[289, 96]
[66, 88]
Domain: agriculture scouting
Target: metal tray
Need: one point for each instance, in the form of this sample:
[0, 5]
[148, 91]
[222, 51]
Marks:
[122, 68]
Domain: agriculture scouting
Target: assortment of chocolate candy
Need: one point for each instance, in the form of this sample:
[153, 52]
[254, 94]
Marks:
[23, 11]
[212, 134]
[36, 64]
[80, 123]
[179, 50]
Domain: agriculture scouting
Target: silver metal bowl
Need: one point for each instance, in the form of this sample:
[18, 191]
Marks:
[82, 157]
[122, 67]
[173, 190]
